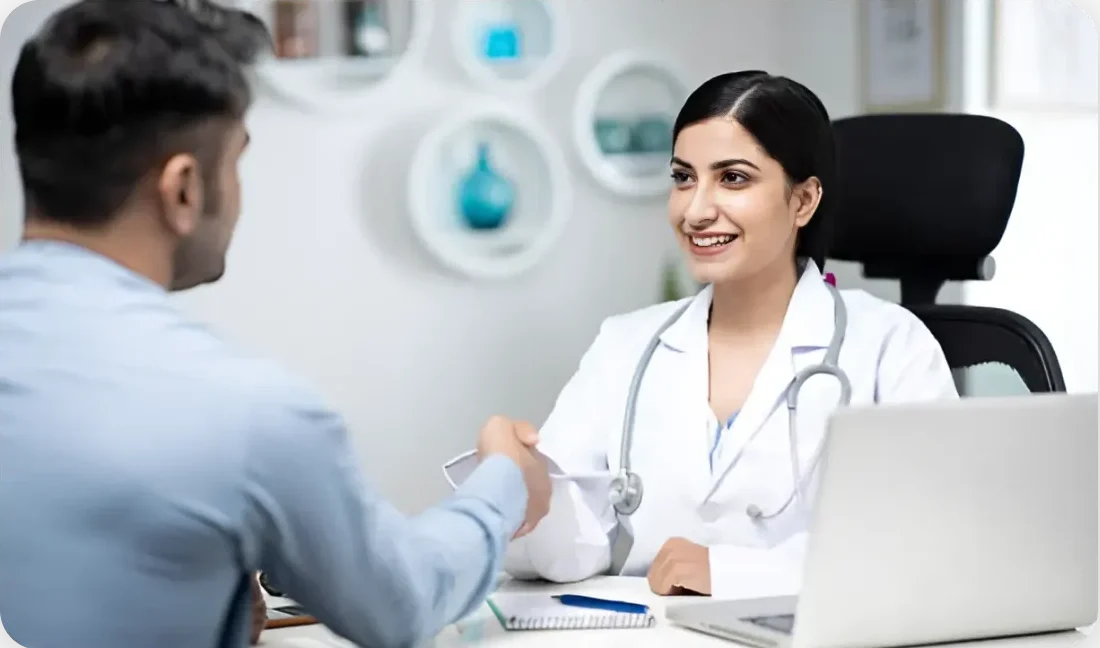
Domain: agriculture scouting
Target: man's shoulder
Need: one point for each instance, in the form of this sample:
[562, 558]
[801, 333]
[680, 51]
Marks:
[265, 388]
[271, 389]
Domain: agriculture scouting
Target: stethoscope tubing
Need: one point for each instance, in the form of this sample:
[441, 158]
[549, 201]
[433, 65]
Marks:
[627, 487]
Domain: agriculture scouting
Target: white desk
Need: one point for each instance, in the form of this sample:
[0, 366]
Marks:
[482, 629]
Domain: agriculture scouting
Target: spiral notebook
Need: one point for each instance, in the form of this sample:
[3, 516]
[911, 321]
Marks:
[530, 611]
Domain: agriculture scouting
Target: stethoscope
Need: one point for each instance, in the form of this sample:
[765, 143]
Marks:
[627, 487]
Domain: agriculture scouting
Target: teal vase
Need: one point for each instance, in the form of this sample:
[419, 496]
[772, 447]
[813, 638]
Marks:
[653, 134]
[485, 197]
[613, 135]
[502, 42]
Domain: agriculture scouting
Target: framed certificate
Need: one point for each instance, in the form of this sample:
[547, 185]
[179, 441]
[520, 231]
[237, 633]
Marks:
[1044, 55]
[902, 53]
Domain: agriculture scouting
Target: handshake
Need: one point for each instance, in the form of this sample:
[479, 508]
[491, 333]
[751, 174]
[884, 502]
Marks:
[517, 440]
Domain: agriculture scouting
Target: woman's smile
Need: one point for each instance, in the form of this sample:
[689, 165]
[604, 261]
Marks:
[711, 244]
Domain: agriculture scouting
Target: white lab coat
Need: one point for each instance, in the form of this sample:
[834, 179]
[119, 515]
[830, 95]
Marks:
[888, 354]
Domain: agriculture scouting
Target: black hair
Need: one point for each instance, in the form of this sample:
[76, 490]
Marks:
[108, 90]
[792, 126]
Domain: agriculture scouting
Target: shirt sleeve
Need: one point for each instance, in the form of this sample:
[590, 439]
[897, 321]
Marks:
[370, 573]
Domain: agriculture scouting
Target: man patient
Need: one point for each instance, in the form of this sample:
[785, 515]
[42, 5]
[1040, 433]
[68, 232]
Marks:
[149, 468]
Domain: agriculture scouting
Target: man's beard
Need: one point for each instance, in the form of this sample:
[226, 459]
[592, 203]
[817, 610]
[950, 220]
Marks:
[198, 258]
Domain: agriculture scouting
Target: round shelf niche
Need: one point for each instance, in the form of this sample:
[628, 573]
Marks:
[623, 123]
[489, 193]
[509, 44]
[333, 54]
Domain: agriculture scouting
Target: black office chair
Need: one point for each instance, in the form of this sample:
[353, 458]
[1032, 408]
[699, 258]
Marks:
[924, 199]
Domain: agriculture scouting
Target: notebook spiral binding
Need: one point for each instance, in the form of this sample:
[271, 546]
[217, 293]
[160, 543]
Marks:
[590, 622]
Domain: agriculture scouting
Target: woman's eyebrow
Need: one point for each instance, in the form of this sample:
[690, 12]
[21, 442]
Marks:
[725, 164]
[716, 166]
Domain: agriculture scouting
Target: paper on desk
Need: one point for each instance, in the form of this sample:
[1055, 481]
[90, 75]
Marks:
[457, 470]
[283, 639]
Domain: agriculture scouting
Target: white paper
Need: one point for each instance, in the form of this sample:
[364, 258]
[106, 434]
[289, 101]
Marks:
[457, 470]
[538, 606]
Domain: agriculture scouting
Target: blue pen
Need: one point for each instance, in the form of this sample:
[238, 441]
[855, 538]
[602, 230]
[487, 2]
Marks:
[575, 600]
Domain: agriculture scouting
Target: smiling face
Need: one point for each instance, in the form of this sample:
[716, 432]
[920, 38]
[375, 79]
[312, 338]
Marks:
[732, 206]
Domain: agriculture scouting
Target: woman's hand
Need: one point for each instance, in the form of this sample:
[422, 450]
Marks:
[517, 440]
[681, 567]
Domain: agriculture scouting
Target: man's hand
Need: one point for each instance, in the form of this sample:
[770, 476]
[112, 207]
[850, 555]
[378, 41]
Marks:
[259, 611]
[680, 567]
[516, 440]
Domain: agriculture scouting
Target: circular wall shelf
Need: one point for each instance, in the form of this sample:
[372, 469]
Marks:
[489, 193]
[509, 44]
[333, 55]
[623, 121]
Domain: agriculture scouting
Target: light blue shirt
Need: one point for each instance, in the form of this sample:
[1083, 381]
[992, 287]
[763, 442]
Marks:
[147, 468]
[718, 430]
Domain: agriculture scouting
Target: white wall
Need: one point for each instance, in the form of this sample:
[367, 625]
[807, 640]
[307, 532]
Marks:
[324, 272]
[821, 49]
[1047, 260]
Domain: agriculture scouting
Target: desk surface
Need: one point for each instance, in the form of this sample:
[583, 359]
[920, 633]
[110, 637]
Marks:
[482, 629]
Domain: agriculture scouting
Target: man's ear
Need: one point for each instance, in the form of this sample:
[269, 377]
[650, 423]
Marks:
[806, 196]
[180, 190]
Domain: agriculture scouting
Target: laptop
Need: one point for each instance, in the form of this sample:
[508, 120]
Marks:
[939, 522]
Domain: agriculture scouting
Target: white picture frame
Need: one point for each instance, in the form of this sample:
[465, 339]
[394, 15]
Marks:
[902, 53]
[1044, 55]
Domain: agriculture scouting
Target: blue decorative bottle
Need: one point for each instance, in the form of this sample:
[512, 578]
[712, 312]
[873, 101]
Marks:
[485, 197]
[502, 43]
[502, 38]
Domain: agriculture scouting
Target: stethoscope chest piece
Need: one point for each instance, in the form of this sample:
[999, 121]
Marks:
[754, 512]
[626, 492]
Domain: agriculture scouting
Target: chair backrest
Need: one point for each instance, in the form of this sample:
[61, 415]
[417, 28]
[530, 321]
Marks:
[925, 199]
[993, 351]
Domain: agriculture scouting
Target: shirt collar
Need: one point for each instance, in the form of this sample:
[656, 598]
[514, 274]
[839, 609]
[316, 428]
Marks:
[808, 322]
[76, 263]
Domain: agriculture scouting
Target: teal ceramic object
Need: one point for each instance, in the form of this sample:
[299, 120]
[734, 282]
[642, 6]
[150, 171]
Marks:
[652, 134]
[365, 30]
[613, 135]
[485, 197]
[503, 41]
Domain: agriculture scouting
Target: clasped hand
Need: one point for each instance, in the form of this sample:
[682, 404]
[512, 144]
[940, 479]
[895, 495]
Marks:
[517, 440]
[680, 567]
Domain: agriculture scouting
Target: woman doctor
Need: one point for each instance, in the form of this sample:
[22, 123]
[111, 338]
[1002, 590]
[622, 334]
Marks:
[722, 513]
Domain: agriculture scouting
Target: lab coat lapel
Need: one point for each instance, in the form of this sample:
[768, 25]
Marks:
[807, 328]
[688, 388]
